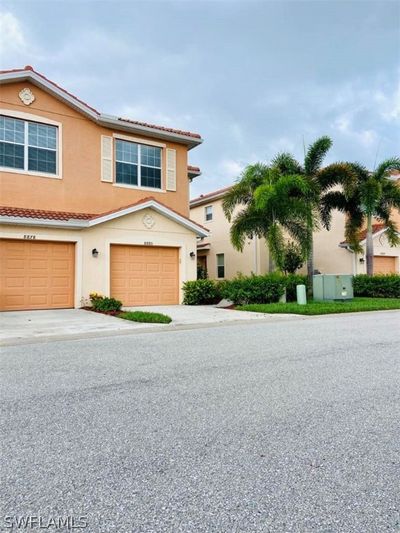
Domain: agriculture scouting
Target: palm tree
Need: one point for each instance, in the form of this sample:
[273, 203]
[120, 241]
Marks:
[320, 180]
[374, 196]
[272, 205]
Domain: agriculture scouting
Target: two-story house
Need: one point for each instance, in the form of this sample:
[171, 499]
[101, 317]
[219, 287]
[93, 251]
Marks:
[90, 202]
[331, 254]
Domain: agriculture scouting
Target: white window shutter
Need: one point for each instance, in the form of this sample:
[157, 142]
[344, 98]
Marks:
[171, 170]
[106, 158]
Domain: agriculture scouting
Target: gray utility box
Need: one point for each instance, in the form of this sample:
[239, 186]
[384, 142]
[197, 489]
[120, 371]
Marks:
[333, 287]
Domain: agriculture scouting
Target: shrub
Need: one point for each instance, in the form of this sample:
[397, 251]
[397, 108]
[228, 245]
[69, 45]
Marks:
[201, 291]
[253, 289]
[292, 258]
[382, 286]
[103, 304]
[291, 281]
[145, 316]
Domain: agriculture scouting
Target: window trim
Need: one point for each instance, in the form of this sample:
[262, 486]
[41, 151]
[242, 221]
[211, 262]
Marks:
[138, 141]
[29, 117]
[220, 266]
[205, 213]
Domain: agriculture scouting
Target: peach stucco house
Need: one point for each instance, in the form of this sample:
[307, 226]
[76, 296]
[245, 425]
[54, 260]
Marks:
[331, 253]
[91, 202]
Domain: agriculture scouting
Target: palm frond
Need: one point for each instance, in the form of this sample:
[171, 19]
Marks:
[338, 174]
[316, 154]
[242, 191]
[386, 167]
[285, 163]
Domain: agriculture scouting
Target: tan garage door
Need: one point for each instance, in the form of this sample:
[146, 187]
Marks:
[36, 275]
[145, 275]
[384, 265]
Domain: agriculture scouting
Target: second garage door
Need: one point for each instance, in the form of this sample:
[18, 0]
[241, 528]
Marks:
[144, 275]
[384, 265]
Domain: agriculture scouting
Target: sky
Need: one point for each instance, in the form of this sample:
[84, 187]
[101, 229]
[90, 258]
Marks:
[253, 78]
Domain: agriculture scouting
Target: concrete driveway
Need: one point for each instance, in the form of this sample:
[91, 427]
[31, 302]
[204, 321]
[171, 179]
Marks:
[25, 326]
[287, 428]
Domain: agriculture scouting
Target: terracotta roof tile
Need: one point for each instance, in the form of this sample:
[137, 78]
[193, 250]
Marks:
[65, 216]
[210, 195]
[162, 128]
[193, 169]
[363, 233]
[138, 123]
[44, 214]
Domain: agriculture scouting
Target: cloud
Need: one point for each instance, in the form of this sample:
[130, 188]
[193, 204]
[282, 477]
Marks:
[11, 34]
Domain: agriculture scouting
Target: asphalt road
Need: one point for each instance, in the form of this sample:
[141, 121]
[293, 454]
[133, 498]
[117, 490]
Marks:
[280, 427]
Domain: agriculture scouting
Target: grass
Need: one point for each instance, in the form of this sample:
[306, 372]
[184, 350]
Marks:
[145, 316]
[325, 308]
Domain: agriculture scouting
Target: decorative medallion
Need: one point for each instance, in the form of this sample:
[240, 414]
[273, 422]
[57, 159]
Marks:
[26, 96]
[148, 221]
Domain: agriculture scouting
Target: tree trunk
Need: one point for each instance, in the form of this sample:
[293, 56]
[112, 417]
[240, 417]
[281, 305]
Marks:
[370, 248]
[271, 264]
[310, 268]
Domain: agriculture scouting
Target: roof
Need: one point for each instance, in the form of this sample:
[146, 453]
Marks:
[28, 73]
[193, 172]
[38, 217]
[376, 228]
[205, 198]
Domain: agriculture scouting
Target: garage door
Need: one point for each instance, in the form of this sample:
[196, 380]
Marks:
[384, 265]
[36, 275]
[145, 275]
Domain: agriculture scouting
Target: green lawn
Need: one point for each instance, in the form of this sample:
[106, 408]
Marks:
[145, 316]
[326, 308]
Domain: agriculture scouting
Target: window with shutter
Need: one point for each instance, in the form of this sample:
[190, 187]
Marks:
[106, 158]
[171, 170]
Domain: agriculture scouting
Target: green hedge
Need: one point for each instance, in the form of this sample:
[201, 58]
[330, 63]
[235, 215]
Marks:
[241, 290]
[384, 286]
[201, 292]
[254, 289]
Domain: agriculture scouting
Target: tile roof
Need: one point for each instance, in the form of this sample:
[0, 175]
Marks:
[28, 68]
[193, 169]
[210, 195]
[44, 214]
[162, 128]
[363, 233]
[20, 212]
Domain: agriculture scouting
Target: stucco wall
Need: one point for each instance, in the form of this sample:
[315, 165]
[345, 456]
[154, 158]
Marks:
[254, 257]
[80, 189]
[93, 274]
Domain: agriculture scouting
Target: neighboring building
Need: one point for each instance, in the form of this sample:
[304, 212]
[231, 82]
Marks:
[331, 255]
[215, 253]
[91, 202]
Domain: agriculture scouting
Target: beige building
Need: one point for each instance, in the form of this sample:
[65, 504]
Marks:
[90, 202]
[331, 255]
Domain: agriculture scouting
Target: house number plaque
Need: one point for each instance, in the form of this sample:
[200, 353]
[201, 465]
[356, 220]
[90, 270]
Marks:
[30, 237]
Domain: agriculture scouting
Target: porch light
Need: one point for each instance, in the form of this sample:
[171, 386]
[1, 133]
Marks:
[192, 255]
[362, 260]
[95, 252]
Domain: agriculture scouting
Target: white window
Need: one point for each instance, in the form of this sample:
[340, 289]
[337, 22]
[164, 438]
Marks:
[28, 146]
[220, 265]
[208, 213]
[137, 164]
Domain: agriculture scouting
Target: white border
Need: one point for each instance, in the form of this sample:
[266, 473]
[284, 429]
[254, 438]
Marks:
[43, 120]
[78, 274]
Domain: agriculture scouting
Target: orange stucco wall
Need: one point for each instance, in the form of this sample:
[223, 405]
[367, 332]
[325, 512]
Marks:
[80, 189]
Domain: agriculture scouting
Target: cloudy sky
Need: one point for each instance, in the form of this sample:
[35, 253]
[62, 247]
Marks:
[254, 78]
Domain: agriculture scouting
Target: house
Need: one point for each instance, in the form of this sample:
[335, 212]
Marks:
[90, 202]
[332, 255]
